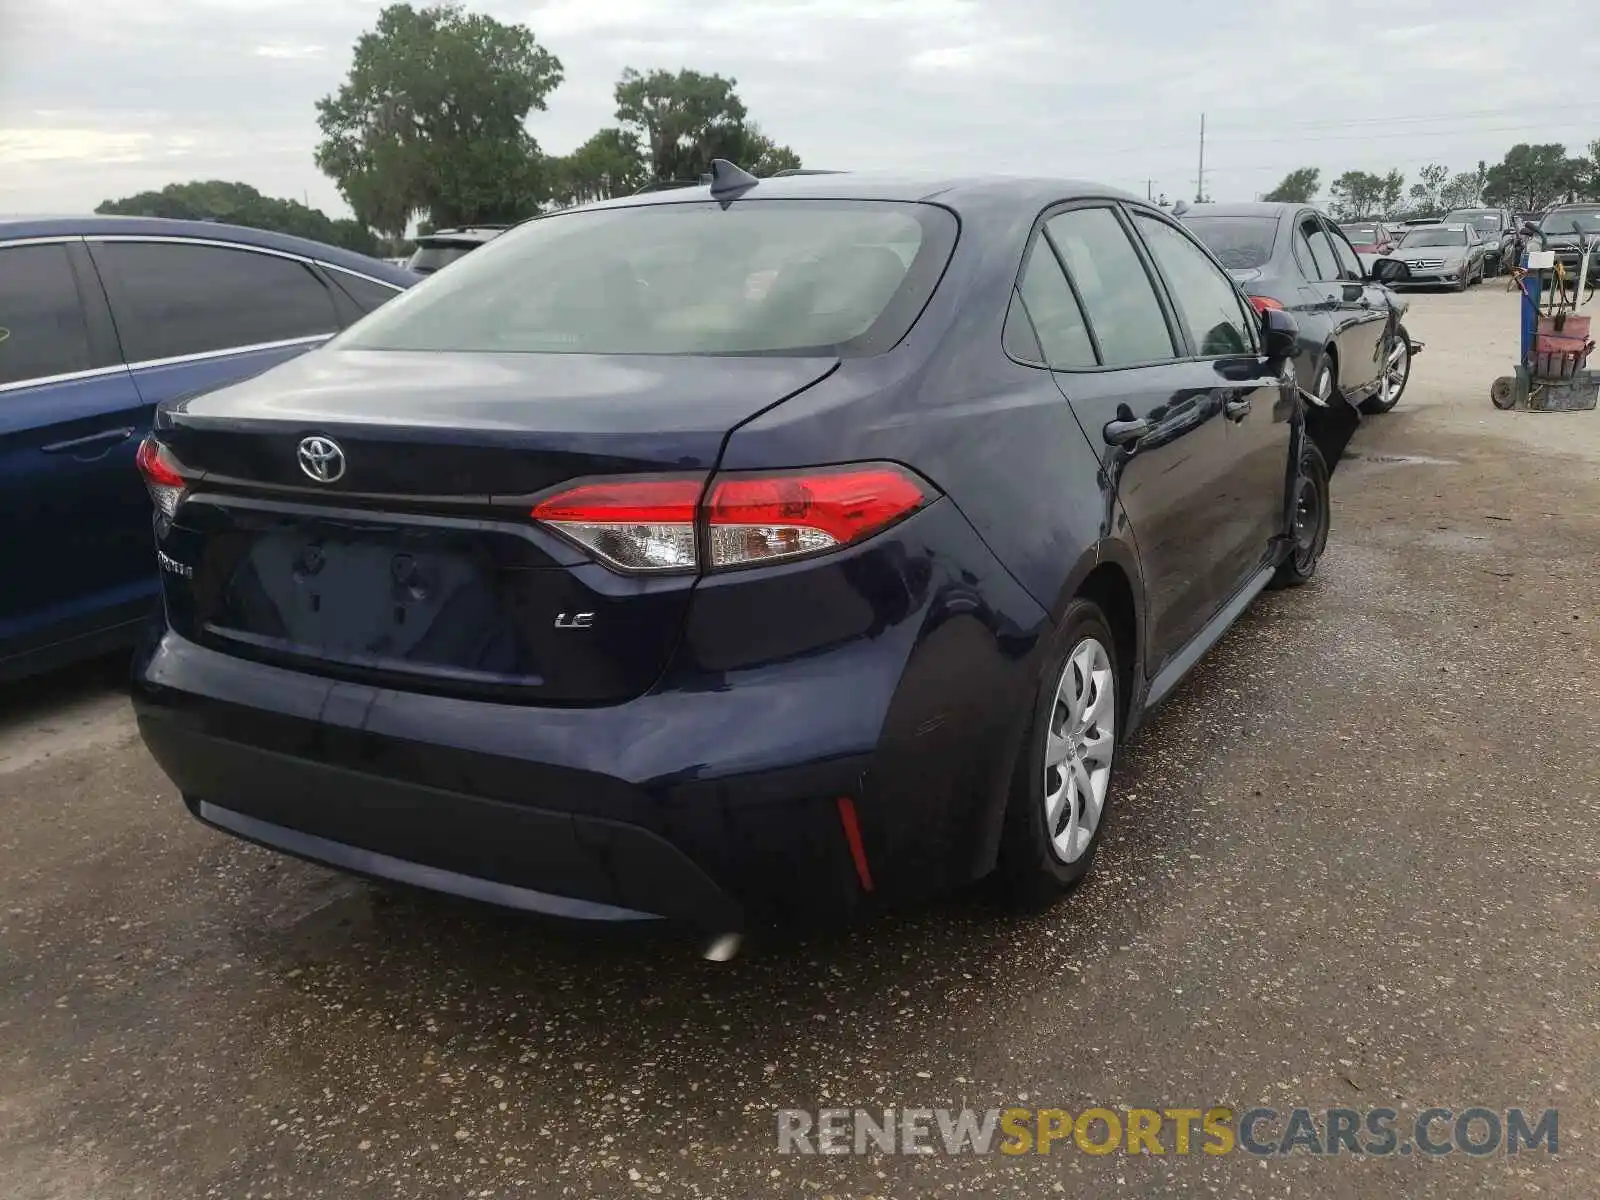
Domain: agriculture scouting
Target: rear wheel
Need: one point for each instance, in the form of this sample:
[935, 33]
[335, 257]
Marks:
[1310, 517]
[1061, 790]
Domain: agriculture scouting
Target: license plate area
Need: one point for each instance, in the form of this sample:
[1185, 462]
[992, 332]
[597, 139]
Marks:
[400, 600]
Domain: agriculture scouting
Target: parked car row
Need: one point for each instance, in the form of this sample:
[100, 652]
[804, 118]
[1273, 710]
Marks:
[101, 319]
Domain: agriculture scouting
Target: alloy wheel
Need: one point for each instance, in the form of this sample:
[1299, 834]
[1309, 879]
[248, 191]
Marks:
[1078, 750]
[1395, 369]
[1325, 386]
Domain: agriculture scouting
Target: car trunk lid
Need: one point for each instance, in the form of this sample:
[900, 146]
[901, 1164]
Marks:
[415, 562]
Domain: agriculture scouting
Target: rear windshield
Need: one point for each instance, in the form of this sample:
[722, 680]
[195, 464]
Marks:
[1362, 235]
[756, 277]
[1238, 242]
[1435, 237]
[428, 259]
[1483, 222]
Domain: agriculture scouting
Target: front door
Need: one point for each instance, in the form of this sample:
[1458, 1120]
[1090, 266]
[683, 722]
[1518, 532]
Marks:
[1360, 312]
[1257, 407]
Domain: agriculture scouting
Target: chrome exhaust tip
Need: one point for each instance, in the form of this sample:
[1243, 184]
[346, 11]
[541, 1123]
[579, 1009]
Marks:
[722, 948]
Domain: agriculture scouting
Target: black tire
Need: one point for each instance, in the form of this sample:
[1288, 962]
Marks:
[1029, 872]
[1464, 282]
[1376, 405]
[1310, 509]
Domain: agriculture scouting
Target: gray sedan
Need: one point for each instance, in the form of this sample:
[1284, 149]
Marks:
[1451, 255]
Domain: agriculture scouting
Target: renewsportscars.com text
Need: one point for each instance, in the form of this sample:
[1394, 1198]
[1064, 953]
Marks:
[1432, 1132]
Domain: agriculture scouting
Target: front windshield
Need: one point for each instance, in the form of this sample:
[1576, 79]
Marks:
[1573, 220]
[1435, 237]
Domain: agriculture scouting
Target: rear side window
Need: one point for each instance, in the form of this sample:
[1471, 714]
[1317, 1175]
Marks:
[1240, 243]
[1057, 319]
[756, 277]
[171, 299]
[42, 327]
[1324, 265]
[1117, 293]
[368, 294]
[1207, 303]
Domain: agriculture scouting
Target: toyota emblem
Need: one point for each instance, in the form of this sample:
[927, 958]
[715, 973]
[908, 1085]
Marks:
[321, 459]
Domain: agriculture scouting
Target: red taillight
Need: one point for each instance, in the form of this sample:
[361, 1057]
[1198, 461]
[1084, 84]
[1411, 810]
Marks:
[656, 524]
[1262, 303]
[161, 478]
[757, 519]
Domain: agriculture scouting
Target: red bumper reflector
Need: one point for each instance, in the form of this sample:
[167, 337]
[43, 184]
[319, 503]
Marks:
[852, 836]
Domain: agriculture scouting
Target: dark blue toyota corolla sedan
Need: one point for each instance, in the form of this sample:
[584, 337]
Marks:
[730, 554]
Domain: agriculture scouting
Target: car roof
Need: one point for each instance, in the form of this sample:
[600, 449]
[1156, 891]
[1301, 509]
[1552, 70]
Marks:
[1260, 208]
[20, 228]
[957, 192]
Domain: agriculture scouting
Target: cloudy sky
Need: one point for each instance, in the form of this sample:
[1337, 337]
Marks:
[102, 98]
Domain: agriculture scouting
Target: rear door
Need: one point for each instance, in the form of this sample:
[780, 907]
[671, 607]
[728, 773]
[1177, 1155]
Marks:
[70, 418]
[193, 316]
[1257, 407]
[1116, 358]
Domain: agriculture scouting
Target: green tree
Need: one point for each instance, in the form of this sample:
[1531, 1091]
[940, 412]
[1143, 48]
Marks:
[1427, 192]
[432, 119]
[764, 157]
[1297, 187]
[1392, 194]
[1356, 194]
[684, 119]
[241, 204]
[1532, 177]
[609, 164]
[1463, 191]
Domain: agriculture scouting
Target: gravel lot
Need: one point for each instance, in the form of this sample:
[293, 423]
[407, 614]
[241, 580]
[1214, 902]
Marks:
[1354, 865]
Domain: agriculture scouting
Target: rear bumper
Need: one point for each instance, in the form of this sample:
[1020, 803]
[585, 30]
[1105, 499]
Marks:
[713, 799]
[516, 855]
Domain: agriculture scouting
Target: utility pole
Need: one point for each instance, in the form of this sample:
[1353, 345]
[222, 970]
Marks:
[1200, 176]
[1149, 189]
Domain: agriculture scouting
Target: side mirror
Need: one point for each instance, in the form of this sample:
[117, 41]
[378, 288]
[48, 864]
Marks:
[1389, 270]
[1280, 334]
[1529, 229]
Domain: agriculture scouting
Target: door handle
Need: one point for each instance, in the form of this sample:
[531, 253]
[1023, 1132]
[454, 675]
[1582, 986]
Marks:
[1236, 408]
[110, 436]
[1120, 433]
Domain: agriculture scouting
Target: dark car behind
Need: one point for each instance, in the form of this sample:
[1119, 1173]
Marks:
[792, 546]
[1354, 351]
[1567, 230]
[101, 319]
